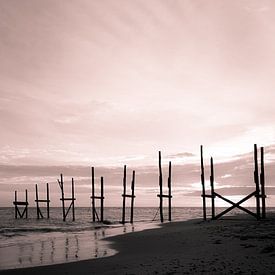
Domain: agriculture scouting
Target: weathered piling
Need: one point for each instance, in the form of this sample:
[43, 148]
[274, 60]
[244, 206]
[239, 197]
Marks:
[257, 194]
[47, 201]
[94, 197]
[63, 199]
[212, 188]
[203, 186]
[161, 195]
[160, 190]
[17, 203]
[132, 197]
[262, 182]
[256, 180]
[125, 195]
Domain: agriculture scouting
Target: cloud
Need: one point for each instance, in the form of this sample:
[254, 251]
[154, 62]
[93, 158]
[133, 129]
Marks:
[181, 155]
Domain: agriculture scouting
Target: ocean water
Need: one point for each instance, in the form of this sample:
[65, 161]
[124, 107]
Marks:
[33, 242]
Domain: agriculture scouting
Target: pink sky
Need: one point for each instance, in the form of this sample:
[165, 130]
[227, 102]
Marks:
[111, 82]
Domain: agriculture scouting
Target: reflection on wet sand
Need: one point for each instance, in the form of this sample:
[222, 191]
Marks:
[58, 247]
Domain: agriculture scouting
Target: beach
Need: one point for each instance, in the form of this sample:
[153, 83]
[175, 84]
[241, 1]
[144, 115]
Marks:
[234, 245]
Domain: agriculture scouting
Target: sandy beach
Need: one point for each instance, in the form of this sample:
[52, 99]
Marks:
[231, 246]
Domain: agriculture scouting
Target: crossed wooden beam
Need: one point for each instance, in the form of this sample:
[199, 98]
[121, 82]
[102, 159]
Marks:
[17, 203]
[259, 192]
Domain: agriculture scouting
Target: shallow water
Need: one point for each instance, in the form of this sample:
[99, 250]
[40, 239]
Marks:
[32, 242]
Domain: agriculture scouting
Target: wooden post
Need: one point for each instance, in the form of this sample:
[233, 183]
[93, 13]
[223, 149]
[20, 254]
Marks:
[101, 200]
[26, 209]
[61, 184]
[203, 186]
[48, 202]
[93, 194]
[160, 190]
[256, 180]
[132, 197]
[262, 180]
[212, 188]
[37, 202]
[73, 199]
[169, 194]
[15, 203]
[124, 195]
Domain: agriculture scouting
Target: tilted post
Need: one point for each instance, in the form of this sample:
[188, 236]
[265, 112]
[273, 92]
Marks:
[160, 190]
[262, 181]
[256, 180]
[212, 188]
[61, 184]
[132, 197]
[203, 186]
[169, 194]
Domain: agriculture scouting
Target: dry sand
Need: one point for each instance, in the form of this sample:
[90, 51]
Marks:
[230, 246]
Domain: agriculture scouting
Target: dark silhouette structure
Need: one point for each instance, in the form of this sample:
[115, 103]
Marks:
[94, 197]
[63, 199]
[47, 201]
[259, 193]
[24, 212]
[124, 196]
[161, 195]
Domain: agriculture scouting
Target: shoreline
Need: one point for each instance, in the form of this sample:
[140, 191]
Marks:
[231, 245]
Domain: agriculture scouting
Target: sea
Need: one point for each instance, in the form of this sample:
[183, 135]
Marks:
[35, 242]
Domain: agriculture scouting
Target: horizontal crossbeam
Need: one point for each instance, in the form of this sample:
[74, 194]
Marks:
[128, 196]
[208, 196]
[97, 197]
[20, 203]
[164, 196]
[68, 199]
[42, 201]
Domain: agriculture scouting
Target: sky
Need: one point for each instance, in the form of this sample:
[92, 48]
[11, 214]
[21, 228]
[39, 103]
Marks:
[110, 83]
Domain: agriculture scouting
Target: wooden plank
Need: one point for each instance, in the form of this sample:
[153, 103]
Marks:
[48, 201]
[73, 199]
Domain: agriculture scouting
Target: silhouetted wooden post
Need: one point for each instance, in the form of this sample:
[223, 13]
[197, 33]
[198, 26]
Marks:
[15, 203]
[48, 202]
[262, 180]
[203, 186]
[212, 188]
[63, 199]
[73, 199]
[160, 190]
[169, 194]
[26, 209]
[256, 180]
[124, 195]
[101, 200]
[37, 203]
[132, 197]
[61, 184]
[93, 194]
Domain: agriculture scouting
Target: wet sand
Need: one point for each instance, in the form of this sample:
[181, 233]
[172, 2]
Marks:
[231, 246]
